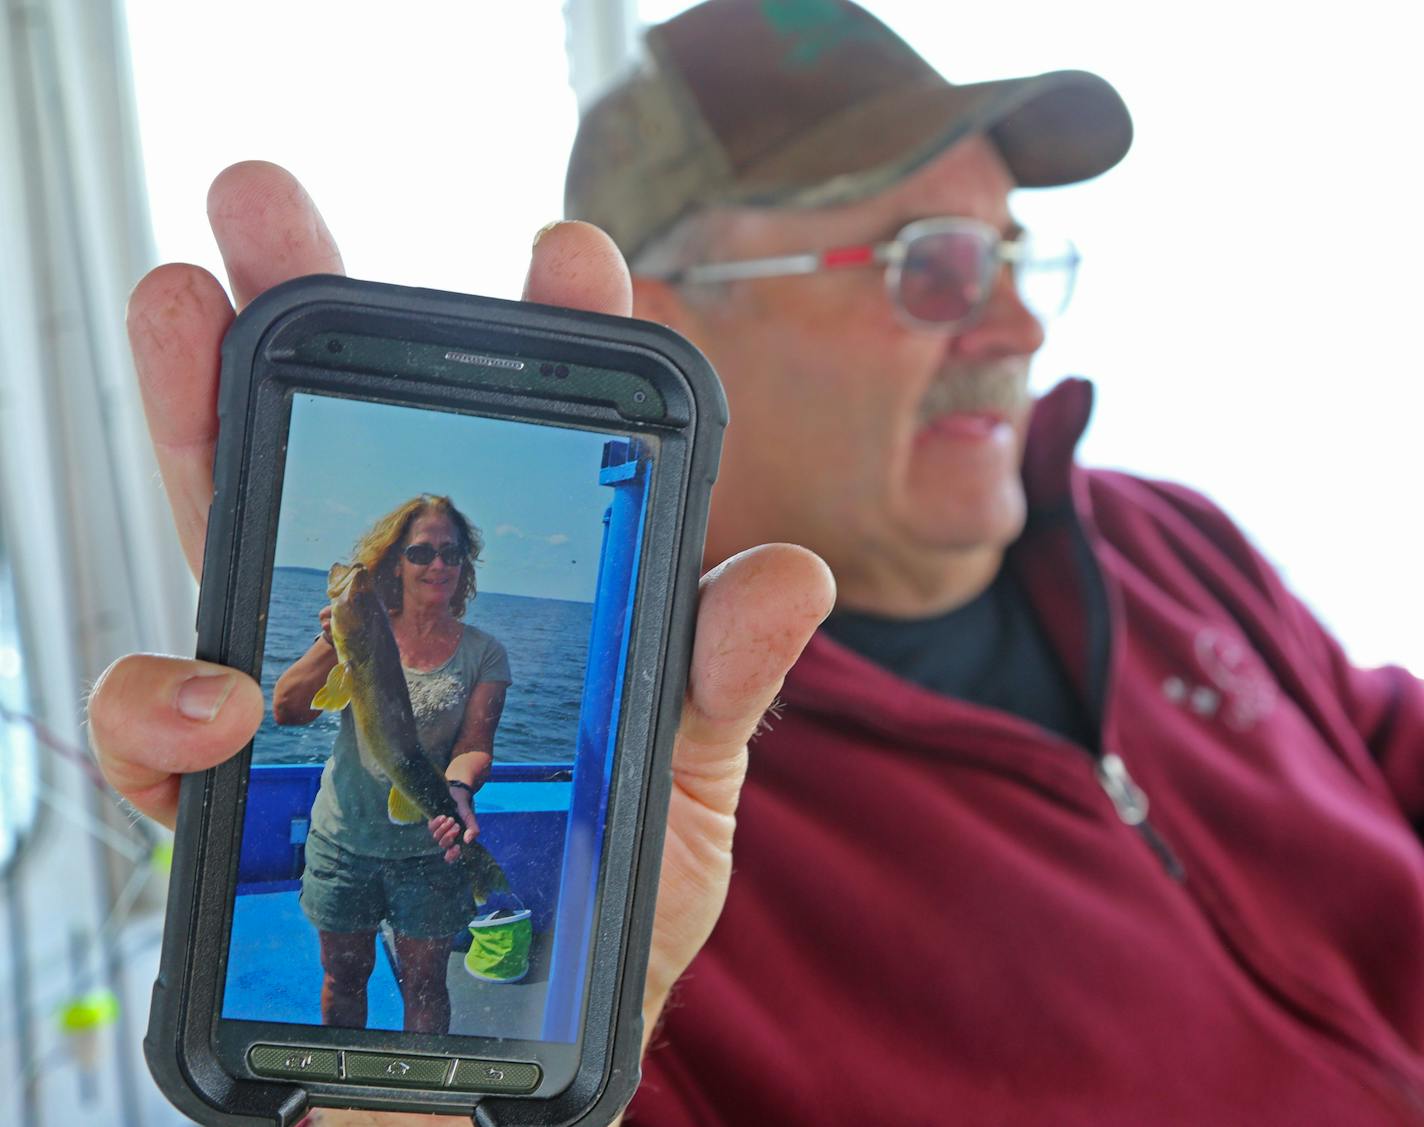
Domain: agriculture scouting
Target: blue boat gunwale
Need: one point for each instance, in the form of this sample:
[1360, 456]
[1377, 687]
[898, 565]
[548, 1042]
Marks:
[501, 771]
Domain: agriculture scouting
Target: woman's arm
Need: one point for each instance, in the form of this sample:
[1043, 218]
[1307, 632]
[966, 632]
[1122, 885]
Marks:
[292, 695]
[470, 761]
[473, 752]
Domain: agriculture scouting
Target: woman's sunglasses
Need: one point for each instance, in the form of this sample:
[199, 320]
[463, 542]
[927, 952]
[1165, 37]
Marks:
[423, 555]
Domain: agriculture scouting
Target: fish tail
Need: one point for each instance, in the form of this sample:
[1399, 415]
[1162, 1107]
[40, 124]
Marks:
[486, 876]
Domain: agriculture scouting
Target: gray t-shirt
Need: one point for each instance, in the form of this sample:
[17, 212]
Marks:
[350, 807]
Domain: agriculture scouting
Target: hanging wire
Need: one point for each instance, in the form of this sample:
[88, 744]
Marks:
[126, 848]
[46, 736]
[141, 854]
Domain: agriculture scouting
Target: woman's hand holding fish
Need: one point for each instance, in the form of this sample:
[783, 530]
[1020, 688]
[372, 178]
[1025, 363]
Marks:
[447, 831]
[154, 718]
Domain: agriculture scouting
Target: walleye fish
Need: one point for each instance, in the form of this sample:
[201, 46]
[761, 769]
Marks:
[368, 676]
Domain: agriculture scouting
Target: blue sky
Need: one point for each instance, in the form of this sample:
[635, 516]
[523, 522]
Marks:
[531, 490]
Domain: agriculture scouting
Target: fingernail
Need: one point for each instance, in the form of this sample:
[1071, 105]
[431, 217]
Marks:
[200, 697]
[544, 230]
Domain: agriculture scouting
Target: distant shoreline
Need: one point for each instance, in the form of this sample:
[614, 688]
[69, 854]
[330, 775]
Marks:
[482, 590]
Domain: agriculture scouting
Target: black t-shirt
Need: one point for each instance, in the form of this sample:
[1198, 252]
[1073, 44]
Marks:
[990, 652]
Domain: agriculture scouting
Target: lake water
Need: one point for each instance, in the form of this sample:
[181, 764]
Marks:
[547, 640]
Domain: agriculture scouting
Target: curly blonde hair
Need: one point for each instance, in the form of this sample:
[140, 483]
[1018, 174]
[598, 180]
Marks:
[379, 550]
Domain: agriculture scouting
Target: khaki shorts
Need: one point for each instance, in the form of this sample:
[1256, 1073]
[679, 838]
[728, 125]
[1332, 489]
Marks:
[422, 897]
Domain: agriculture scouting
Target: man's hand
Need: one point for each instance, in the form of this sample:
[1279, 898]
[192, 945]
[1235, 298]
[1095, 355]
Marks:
[154, 718]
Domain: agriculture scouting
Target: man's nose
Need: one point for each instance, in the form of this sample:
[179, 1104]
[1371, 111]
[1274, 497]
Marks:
[1006, 328]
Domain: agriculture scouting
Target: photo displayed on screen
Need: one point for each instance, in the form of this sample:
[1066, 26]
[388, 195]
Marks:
[445, 639]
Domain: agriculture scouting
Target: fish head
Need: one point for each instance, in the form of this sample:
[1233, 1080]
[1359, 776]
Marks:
[344, 577]
[352, 591]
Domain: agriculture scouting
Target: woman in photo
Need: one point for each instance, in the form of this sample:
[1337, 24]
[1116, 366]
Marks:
[361, 867]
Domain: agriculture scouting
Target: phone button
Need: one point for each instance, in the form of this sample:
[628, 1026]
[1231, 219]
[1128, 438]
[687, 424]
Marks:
[293, 1061]
[495, 1076]
[387, 1068]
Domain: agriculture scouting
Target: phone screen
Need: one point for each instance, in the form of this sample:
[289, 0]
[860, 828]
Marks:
[500, 559]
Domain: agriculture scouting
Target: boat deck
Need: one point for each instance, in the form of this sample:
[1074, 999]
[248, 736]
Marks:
[277, 971]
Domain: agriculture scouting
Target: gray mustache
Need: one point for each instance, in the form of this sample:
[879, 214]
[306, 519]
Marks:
[1000, 386]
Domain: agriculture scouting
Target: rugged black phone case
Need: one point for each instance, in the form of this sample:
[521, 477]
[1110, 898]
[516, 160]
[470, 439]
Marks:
[179, 1043]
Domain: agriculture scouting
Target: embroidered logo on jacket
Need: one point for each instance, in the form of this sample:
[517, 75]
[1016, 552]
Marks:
[1240, 689]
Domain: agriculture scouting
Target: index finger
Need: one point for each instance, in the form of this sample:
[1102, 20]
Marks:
[176, 319]
[268, 231]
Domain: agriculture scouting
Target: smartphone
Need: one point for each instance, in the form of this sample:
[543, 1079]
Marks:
[457, 540]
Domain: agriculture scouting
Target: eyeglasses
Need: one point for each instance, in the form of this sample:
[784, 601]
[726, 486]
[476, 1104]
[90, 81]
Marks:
[423, 555]
[939, 273]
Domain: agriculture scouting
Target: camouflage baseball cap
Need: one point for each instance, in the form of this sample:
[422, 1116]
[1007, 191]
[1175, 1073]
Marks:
[800, 103]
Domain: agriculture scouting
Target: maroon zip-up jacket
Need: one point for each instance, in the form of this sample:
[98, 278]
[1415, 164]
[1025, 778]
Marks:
[942, 914]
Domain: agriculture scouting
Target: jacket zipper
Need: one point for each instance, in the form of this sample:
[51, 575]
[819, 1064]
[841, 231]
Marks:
[1128, 799]
[1130, 802]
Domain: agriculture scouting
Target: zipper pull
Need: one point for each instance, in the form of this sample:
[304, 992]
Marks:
[1128, 799]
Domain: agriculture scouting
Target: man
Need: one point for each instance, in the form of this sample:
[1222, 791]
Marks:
[953, 901]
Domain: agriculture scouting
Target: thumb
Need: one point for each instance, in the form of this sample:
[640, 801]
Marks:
[756, 613]
[153, 719]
